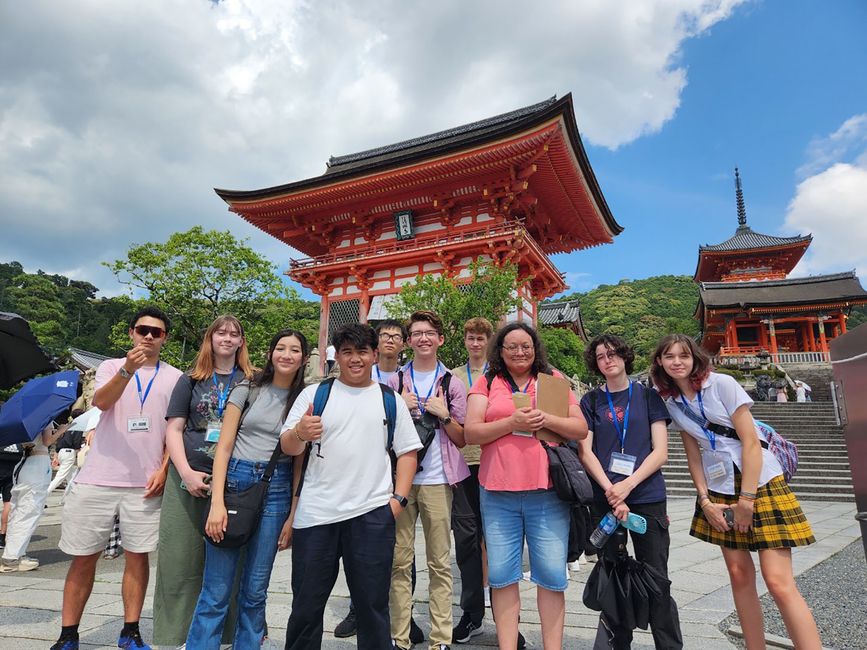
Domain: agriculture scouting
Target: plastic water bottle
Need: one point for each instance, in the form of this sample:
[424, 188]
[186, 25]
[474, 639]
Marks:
[604, 530]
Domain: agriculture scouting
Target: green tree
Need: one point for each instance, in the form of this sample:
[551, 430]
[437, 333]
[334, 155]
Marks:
[491, 293]
[37, 298]
[196, 276]
[565, 351]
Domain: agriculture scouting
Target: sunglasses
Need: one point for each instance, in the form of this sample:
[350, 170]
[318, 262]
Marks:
[144, 330]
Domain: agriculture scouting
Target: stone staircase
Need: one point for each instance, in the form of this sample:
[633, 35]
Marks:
[823, 471]
[817, 376]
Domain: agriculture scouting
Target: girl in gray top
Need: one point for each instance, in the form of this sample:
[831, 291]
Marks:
[251, 428]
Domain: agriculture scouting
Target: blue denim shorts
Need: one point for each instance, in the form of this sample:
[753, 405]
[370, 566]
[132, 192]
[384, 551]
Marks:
[540, 517]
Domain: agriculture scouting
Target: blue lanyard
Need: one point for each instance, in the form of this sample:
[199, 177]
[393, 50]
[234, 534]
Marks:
[224, 394]
[470, 372]
[430, 390]
[621, 434]
[143, 398]
[378, 374]
[711, 436]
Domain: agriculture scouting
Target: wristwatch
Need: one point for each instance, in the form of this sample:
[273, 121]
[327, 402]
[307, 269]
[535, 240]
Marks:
[123, 372]
[446, 420]
[403, 501]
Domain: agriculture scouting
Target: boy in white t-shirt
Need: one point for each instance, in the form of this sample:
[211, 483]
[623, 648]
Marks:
[348, 501]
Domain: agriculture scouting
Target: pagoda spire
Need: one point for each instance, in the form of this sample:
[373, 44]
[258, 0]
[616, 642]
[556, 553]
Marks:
[739, 192]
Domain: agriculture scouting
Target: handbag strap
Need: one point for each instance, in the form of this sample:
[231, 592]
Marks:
[275, 455]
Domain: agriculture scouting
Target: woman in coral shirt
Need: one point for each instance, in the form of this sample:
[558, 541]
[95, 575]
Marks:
[516, 496]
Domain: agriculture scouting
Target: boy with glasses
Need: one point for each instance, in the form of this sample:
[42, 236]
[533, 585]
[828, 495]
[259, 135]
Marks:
[392, 337]
[124, 474]
[623, 453]
[438, 407]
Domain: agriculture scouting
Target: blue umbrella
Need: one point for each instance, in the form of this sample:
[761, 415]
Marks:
[38, 402]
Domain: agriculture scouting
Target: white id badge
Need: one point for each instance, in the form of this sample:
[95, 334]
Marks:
[212, 433]
[622, 464]
[139, 424]
[716, 466]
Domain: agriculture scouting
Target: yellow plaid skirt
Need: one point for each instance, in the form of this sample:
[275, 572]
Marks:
[778, 521]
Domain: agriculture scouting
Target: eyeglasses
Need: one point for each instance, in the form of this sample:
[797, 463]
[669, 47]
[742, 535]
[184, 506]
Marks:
[144, 330]
[611, 354]
[526, 348]
[385, 336]
[427, 334]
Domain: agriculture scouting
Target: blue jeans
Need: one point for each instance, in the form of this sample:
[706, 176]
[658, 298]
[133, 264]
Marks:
[221, 564]
[538, 515]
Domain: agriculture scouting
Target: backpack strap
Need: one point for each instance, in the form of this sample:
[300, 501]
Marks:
[389, 403]
[399, 381]
[320, 399]
[445, 384]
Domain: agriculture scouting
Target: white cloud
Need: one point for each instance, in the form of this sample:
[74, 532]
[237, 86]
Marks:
[833, 206]
[847, 141]
[117, 120]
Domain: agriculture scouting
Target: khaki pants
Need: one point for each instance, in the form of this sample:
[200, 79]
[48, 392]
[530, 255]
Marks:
[434, 504]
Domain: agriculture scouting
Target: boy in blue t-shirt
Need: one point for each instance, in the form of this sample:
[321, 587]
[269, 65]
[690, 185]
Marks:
[623, 453]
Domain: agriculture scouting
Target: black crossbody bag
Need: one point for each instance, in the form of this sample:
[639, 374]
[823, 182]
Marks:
[243, 509]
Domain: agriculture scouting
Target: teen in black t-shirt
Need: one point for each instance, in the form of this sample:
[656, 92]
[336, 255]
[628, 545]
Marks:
[623, 454]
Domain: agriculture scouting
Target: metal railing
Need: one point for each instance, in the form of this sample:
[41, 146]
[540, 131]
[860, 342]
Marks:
[746, 357]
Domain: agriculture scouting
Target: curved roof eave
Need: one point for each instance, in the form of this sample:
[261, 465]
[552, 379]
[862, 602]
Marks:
[549, 109]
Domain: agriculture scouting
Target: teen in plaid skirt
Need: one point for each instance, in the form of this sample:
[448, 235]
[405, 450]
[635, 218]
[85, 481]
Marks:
[736, 477]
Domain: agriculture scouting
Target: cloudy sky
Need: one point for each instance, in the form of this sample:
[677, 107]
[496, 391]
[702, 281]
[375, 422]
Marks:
[118, 118]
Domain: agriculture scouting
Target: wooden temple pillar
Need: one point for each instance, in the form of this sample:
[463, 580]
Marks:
[823, 341]
[842, 323]
[731, 334]
[763, 335]
[324, 311]
[773, 333]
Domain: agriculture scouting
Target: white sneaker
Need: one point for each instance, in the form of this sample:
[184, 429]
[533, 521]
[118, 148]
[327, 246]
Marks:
[23, 563]
[575, 566]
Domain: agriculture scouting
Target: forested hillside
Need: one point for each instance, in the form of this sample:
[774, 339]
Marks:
[642, 311]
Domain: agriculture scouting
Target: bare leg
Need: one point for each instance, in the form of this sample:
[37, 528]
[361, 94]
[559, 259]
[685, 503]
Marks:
[742, 575]
[7, 506]
[777, 572]
[79, 584]
[552, 615]
[506, 605]
[135, 584]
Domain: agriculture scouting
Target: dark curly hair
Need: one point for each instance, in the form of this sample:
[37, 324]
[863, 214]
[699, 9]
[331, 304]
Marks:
[496, 364]
[701, 365]
[620, 347]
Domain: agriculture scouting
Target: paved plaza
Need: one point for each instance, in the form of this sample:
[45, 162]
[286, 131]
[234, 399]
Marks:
[30, 602]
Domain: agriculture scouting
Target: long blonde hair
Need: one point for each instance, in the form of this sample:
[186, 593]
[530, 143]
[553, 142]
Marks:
[203, 368]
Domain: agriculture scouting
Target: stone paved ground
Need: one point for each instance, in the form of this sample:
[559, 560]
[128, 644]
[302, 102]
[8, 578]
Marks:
[30, 602]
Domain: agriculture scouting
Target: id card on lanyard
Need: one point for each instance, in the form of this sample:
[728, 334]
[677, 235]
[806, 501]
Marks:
[141, 423]
[717, 465]
[621, 463]
[212, 433]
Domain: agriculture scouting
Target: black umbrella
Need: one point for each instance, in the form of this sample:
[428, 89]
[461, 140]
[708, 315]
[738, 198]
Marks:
[20, 354]
[622, 588]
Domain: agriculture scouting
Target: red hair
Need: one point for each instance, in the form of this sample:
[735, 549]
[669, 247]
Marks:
[701, 365]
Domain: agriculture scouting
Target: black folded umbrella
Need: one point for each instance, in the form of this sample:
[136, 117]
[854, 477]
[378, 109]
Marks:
[20, 354]
[623, 589]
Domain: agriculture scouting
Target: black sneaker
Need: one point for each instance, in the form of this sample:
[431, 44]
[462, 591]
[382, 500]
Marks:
[466, 629]
[347, 627]
[522, 642]
[415, 633]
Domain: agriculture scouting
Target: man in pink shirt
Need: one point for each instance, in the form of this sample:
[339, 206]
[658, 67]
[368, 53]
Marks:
[124, 475]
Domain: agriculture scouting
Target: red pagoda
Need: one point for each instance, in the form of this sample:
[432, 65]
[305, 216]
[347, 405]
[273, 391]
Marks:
[512, 188]
[749, 305]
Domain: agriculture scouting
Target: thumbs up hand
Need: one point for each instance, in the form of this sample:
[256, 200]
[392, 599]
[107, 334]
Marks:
[309, 427]
[437, 404]
[409, 398]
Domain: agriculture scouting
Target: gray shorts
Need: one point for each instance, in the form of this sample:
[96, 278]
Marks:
[88, 519]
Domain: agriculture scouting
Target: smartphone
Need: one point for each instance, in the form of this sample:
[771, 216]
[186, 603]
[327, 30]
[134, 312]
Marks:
[729, 516]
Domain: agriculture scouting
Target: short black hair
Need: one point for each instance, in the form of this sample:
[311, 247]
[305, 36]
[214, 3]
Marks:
[152, 312]
[620, 347]
[391, 323]
[357, 335]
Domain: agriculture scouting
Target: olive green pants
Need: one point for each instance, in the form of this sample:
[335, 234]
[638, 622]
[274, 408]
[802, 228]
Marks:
[180, 563]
